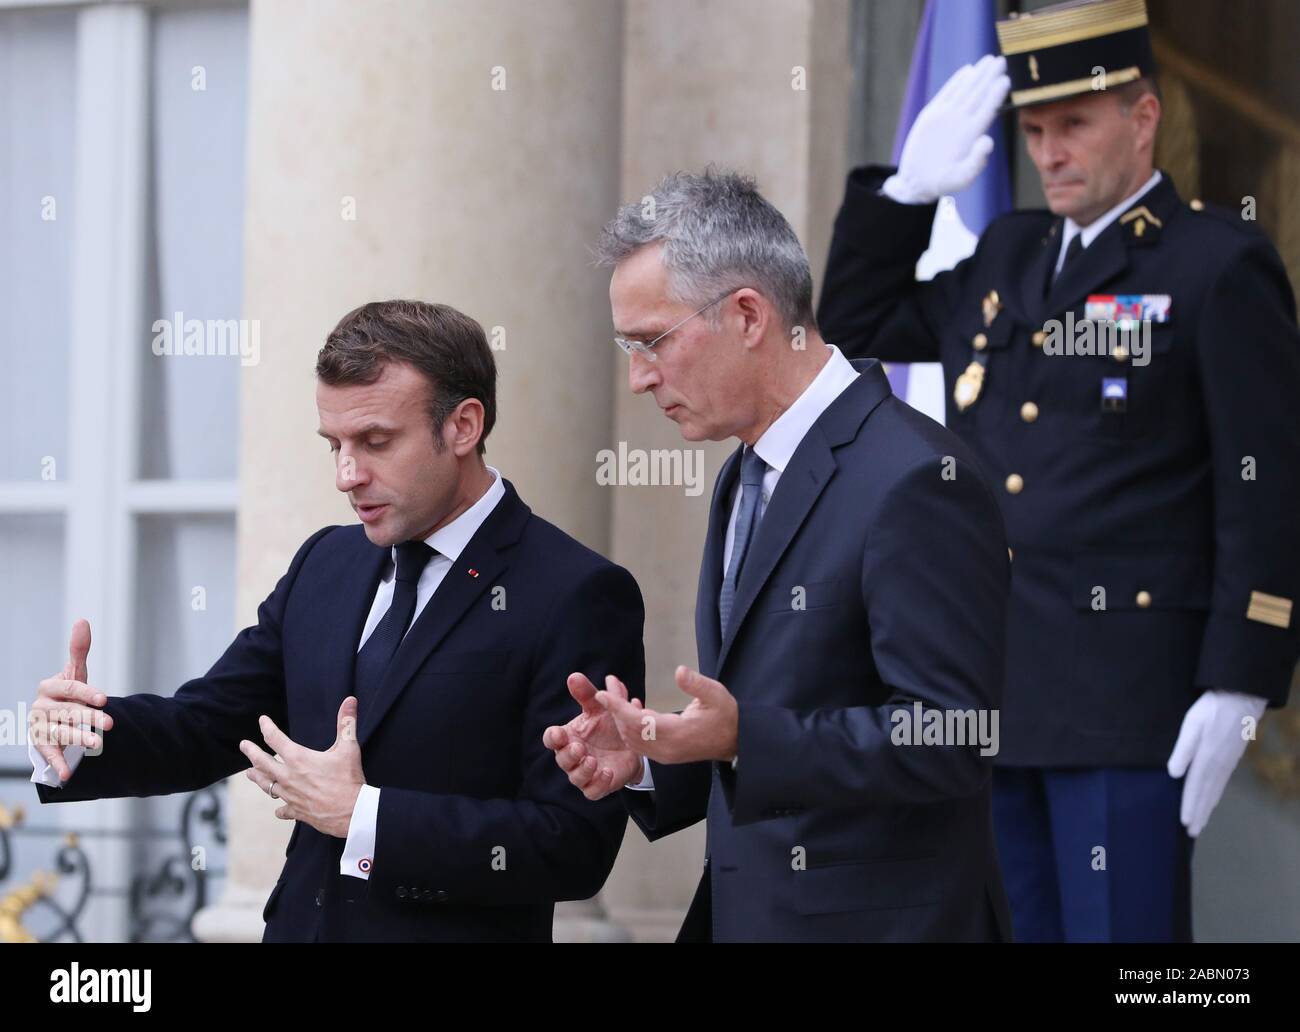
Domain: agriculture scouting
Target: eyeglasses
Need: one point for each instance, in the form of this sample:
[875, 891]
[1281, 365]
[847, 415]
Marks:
[644, 347]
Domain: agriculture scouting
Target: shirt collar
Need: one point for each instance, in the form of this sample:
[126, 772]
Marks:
[451, 539]
[780, 440]
[1093, 229]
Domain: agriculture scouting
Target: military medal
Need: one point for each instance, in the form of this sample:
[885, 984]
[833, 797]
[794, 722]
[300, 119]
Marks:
[1114, 394]
[967, 389]
[991, 305]
[969, 385]
[1128, 311]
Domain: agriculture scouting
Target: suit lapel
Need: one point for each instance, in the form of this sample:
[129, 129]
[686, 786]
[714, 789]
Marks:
[1099, 263]
[708, 635]
[1034, 281]
[341, 627]
[802, 482]
[480, 565]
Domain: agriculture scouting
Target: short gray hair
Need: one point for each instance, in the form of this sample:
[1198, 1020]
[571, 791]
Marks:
[718, 232]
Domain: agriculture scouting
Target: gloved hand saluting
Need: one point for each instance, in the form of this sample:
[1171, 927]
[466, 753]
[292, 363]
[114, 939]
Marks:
[948, 145]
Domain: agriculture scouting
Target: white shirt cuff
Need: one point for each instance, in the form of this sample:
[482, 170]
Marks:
[359, 850]
[44, 773]
[647, 782]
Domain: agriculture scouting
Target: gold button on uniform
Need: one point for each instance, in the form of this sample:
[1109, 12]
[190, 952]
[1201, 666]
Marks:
[1038, 338]
[1029, 412]
[1144, 599]
[1198, 205]
[980, 341]
[1015, 483]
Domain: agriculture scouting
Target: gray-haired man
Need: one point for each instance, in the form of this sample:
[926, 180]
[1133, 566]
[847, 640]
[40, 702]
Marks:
[850, 602]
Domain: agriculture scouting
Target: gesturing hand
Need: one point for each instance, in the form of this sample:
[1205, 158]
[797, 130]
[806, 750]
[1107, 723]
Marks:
[707, 729]
[589, 748]
[67, 710]
[319, 788]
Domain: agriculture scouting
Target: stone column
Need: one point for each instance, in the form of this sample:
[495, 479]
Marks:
[463, 152]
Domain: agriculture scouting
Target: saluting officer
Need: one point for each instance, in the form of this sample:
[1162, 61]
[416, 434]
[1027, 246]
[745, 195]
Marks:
[1126, 367]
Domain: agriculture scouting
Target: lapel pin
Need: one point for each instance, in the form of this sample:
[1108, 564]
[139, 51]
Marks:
[1143, 217]
[473, 572]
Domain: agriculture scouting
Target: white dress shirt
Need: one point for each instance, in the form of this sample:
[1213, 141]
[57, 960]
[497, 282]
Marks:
[775, 448]
[1093, 229]
[447, 542]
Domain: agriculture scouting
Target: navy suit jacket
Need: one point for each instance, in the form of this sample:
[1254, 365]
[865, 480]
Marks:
[877, 579]
[479, 832]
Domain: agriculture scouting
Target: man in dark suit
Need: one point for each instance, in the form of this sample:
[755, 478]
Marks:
[403, 671]
[1126, 369]
[849, 616]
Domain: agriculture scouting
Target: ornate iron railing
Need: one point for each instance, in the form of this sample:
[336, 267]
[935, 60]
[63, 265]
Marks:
[162, 898]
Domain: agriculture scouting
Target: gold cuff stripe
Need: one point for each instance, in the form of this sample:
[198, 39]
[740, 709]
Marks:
[1074, 86]
[1055, 28]
[1269, 609]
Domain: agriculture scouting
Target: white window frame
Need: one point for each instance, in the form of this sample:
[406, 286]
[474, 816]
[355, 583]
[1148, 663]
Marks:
[103, 501]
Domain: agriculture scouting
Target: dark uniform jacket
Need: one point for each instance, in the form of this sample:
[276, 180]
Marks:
[1155, 532]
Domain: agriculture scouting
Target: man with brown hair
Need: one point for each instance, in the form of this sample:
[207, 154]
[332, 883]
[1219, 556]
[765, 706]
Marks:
[401, 674]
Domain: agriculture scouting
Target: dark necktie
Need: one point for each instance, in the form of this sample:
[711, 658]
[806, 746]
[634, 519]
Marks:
[1072, 252]
[377, 654]
[752, 469]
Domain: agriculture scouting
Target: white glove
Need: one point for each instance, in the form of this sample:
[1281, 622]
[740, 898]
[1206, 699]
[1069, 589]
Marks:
[948, 144]
[1209, 745]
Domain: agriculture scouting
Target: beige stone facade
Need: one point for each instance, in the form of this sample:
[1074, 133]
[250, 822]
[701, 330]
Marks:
[471, 158]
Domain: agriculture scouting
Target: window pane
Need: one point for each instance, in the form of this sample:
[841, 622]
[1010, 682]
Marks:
[185, 598]
[185, 615]
[33, 640]
[190, 402]
[37, 86]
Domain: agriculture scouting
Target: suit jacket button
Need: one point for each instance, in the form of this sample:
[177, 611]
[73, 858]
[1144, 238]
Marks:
[1029, 412]
[1038, 338]
[401, 892]
[1197, 204]
[1015, 483]
[981, 341]
[1144, 599]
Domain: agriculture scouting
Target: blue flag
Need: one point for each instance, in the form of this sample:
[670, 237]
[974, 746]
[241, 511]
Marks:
[953, 33]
